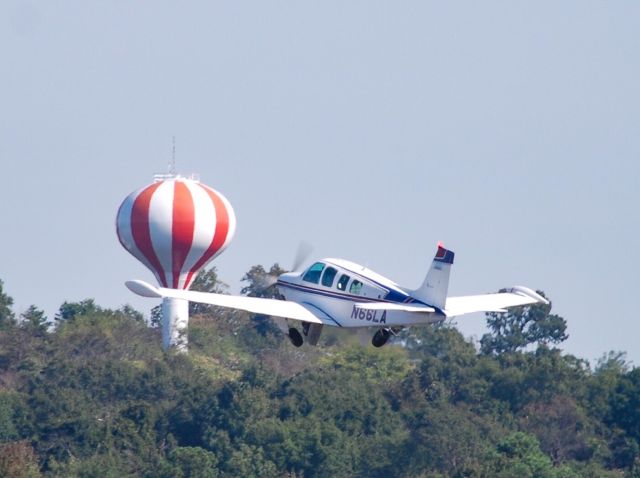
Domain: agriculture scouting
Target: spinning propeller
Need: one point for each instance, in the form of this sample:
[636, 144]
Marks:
[261, 284]
[302, 254]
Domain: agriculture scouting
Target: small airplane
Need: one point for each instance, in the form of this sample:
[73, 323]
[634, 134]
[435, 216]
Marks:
[340, 293]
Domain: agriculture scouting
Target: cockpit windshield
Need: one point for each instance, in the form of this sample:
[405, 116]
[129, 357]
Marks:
[313, 273]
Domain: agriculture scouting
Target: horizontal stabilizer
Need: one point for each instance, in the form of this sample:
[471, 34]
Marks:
[425, 309]
[497, 302]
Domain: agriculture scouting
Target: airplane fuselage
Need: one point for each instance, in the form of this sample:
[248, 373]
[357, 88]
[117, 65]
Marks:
[339, 290]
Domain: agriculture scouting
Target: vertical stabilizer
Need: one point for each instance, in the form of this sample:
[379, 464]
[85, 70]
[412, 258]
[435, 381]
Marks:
[433, 291]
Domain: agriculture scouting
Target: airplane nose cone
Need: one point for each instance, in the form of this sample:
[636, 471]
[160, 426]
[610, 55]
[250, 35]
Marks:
[288, 277]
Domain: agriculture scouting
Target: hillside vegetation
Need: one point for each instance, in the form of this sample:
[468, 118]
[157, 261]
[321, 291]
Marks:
[95, 396]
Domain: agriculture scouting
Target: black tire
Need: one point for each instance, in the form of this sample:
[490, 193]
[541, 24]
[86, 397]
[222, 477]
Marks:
[295, 337]
[380, 337]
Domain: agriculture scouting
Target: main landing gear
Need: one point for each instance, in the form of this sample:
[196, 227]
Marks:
[295, 337]
[381, 336]
[310, 331]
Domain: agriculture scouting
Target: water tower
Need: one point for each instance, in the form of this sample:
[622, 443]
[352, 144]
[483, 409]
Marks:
[175, 226]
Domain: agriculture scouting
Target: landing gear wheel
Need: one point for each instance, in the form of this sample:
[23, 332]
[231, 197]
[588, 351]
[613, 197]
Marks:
[295, 337]
[380, 337]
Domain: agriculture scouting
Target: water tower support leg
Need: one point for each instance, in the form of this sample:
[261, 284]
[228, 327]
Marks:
[175, 319]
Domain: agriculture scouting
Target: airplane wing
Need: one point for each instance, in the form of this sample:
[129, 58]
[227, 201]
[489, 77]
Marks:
[497, 302]
[391, 306]
[255, 305]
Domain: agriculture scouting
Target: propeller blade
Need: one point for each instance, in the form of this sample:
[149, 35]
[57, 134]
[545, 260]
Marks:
[302, 254]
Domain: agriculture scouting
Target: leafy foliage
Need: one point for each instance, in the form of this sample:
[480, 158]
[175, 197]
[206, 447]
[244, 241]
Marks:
[34, 320]
[96, 397]
[261, 283]
[69, 310]
[206, 280]
[6, 301]
[521, 327]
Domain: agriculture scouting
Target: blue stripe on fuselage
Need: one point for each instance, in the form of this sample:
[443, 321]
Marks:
[395, 296]
[323, 312]
[343, 296]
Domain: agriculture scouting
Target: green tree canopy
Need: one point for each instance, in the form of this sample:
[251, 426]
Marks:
[6, 314]
[206, 280]
[97, 396]
[521, 327]
[262, 283]
[70, 310]
[519, 455]
[34, 320]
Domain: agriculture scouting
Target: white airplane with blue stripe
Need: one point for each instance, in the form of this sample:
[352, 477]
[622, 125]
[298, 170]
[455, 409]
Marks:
[339, 293]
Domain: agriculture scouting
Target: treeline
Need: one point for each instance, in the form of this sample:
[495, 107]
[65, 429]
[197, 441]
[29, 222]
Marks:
[95, 396]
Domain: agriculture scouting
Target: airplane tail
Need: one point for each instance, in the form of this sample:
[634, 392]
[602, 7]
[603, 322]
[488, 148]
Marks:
[434, 289]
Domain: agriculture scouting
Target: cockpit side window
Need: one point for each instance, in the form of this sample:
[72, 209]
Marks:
[342, 283]
[328, 276]
[313, 273]
[356, 287]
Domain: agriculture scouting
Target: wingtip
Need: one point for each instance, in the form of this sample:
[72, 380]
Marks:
[522, 290]
[143, 289]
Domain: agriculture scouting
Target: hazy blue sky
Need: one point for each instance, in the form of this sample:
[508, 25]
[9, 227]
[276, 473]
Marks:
[509, 130]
